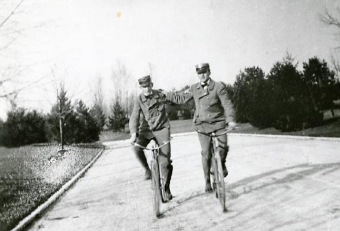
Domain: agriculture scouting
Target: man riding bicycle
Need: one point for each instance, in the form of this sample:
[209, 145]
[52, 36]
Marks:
[151, 103]
[213, 112]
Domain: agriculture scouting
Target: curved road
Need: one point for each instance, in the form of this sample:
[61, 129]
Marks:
[273, 184]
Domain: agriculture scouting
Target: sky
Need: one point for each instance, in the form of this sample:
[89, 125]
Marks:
[81, 40]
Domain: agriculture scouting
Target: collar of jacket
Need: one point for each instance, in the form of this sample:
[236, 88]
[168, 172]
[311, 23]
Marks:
[154, 94]
[210, 85]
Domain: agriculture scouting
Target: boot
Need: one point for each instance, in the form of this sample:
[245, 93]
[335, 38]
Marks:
[225, 170]
[147, 175]
[168, 195]
[223, 159]
[206, 169]
[142, 159]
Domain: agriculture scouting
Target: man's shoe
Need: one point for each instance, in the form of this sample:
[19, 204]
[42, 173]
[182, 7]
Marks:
[225, 170]
[147, 174]
[208, 187]
[167, 195]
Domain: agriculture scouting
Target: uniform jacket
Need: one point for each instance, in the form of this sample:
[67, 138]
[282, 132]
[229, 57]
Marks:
[144, 129]
[153, 109]
[212, 104]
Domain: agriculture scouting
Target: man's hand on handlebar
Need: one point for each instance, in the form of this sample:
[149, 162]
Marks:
[232, 125]
[133, 138]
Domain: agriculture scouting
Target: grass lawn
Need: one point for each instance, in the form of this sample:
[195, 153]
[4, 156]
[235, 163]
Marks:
[330, 128]
[29, 175]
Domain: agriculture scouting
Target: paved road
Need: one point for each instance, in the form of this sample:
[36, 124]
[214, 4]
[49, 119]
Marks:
[274, 184]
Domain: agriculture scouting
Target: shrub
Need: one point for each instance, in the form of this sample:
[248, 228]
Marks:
[23, 127]
[118, 120]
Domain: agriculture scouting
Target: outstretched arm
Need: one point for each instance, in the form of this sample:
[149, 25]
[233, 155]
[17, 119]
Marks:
[178, 98]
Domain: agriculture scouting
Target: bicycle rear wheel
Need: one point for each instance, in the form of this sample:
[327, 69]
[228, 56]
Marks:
[156, 187]
[220, 181]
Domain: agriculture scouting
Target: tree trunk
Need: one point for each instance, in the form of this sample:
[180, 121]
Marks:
[61, 132]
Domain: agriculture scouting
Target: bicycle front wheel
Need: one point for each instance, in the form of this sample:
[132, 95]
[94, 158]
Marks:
[220, 181]
[215, 176]
[156, 187]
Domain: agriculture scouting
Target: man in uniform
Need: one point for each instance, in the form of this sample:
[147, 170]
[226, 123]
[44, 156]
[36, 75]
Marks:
[151, 103]
[213, 113]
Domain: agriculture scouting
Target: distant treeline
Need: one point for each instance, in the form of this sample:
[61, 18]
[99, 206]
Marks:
[285, 98]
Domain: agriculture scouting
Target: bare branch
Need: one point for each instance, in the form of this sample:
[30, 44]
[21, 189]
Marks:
[329, 19]
[8, 44]
[6, 95]
[19, 31]
[11, 14]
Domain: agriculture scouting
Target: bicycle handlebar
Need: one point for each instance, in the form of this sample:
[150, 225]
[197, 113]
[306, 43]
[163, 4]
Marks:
[153, 148]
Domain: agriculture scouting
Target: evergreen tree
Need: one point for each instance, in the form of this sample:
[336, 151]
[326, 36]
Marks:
[22, 127]
[61, 119]
[321, 83]
[98, 115]
[250, 97]
[118, 120]
[291, 103]
[85, 129]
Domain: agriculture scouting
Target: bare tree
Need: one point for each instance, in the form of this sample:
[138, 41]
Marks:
[98, 92]
[98, 111]
[121, 79]
[331, 20]
[335, 62]
[62, 108]
[6, 24]
[11, 29]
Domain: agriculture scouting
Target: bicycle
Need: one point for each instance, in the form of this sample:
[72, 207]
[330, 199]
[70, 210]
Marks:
[217, 174]
[157, 181]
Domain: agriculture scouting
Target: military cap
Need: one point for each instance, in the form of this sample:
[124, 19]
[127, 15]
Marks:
[144, 81]
[203, 67]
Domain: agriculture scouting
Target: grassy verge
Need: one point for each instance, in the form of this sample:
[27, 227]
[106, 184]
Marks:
[329, 128]
[30, 175]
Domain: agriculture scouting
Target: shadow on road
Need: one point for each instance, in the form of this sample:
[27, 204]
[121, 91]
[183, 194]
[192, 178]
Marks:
[279, 178]
[294, 173]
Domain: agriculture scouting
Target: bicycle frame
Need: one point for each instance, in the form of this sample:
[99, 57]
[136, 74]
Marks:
[218, 178]
[158, 183]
